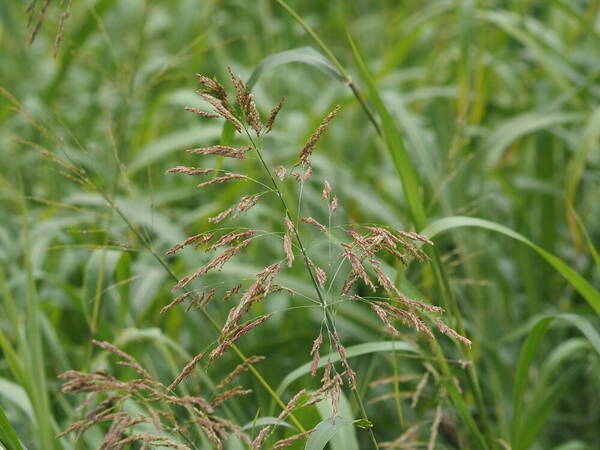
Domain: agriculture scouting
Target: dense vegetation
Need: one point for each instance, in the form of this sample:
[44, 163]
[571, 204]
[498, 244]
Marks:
[475, 124]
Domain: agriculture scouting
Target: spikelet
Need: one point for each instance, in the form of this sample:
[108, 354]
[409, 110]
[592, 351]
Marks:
[216, 263]
[190, 170]
[200, 301]
[236, 334]
[287, 241]
[231, 393]
[384, 318]
[450, 332]
[314, 352]
[231, 292]
[175, 302]
[319, 273]
[245, 203]
[187, 370]
[222, 110]
[238, 370]
[326, 190]
[198, 239]
[204, 114]
[121, 354]
[311, 221]
[283, 443]
[281, 172]
[231, 237]
[212, 87]
[291, 404]
[309, 147]
[246, 102]
[222, 150]
[273, 115]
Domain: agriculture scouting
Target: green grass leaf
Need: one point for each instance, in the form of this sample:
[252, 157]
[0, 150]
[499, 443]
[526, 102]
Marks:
[587, 291]
[325, 431]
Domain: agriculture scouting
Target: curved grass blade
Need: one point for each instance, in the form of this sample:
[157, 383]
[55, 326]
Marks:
[305, 55]
[325, 431]
[8, 436]
[587, 291]
[346, 440]
[511, 130]
[528, 352]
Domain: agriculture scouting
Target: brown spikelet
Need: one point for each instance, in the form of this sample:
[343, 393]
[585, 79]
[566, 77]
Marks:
[420, 386]
[221, 216]
[260, 438]
[342, 352]
[216, 263]
[204, 114]
[315, 354]
[273, 115]
[281, 172]
[246, 102]
[222, 150]
[291, 404]
[283, 443]
[61, 26]
[319, 273]
[262, 286]
[314, 138]
[334, 204]
[175, 302]
[238, 370]
[348, 284]
[231, 393]
[121, 354]
[326, 190]
[253, 116]
[384, 318]
[245, 203]
[222, 110]
[287, 241]
[450, 332]
[231, 292]
[190, 170]
[187, 370]
[236, 334]
[357, 266]
[231, 237]
[200, 301]
[311, 221]
[222, 179]
[213, 87]
[198, 239]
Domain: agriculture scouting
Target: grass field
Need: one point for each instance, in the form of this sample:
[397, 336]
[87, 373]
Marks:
[473, 123]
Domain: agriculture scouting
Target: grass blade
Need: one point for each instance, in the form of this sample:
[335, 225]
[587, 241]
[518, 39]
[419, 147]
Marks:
[8, 437]
[587, 291]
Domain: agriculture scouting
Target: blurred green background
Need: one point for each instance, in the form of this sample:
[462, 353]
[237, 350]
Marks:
[497, 103]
